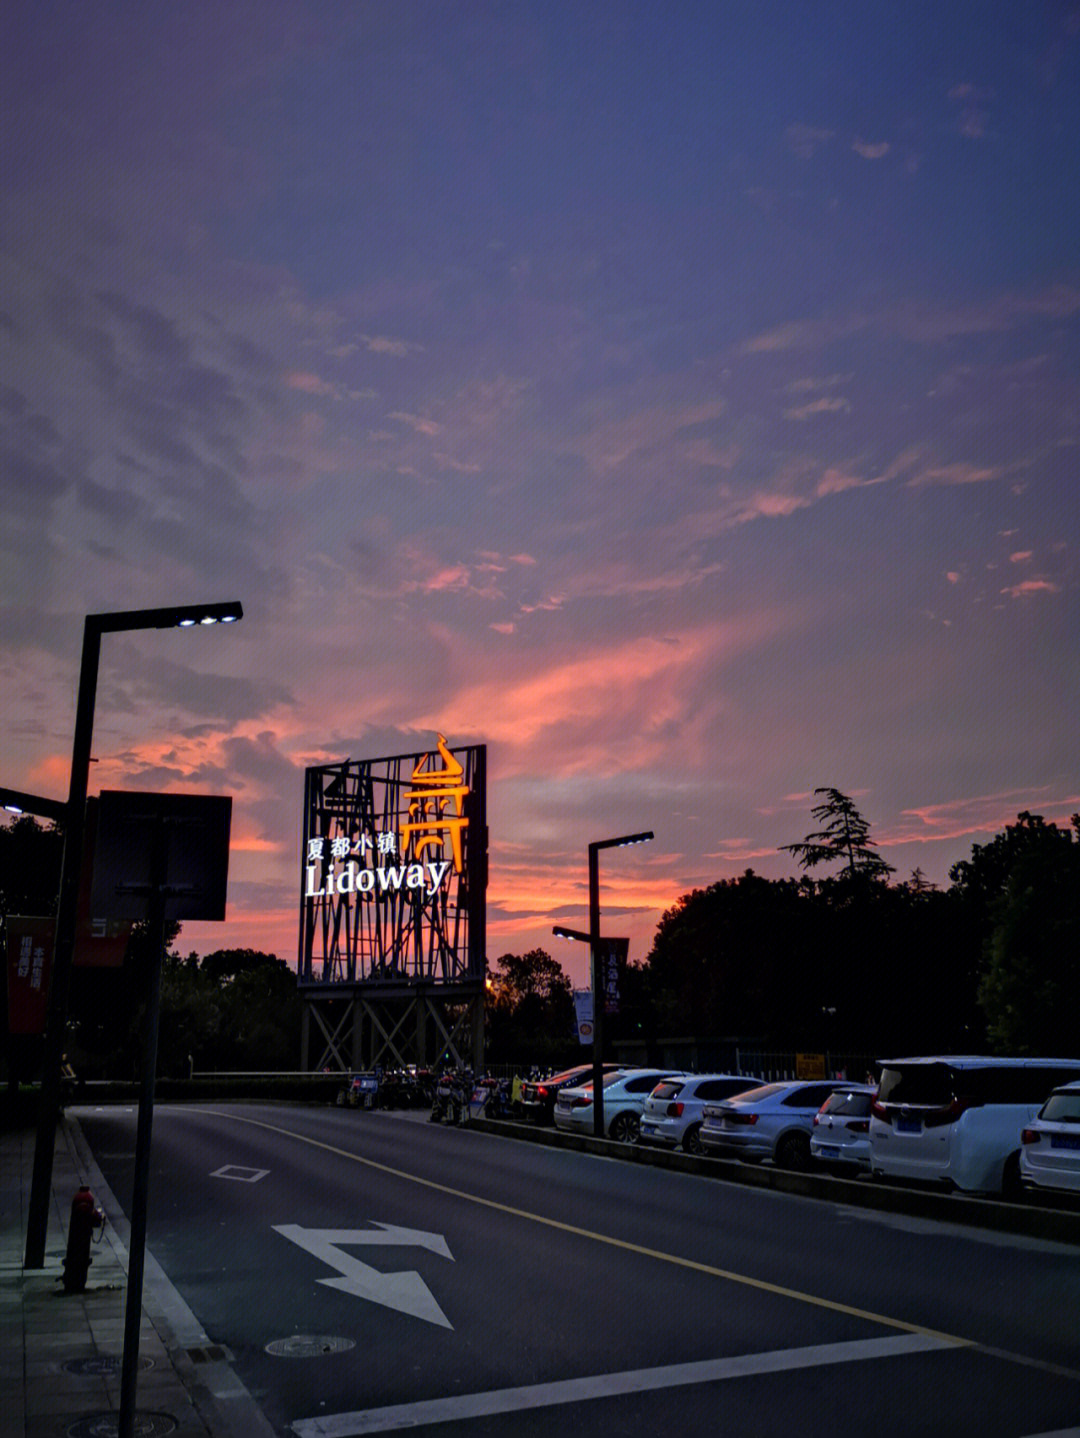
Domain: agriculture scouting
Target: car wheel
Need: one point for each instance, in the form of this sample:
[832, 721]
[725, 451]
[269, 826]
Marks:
[793, 1151]
[1012, 1190]
[625, 1127]
[692, 1140]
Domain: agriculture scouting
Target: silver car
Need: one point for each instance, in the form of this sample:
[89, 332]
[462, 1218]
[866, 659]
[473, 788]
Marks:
[673, 1111]
[774, 1121]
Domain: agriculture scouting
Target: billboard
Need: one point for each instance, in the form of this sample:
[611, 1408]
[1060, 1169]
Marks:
[394, 869]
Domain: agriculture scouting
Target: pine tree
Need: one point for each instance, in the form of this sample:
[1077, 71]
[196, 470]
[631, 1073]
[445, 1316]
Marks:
[845, 835]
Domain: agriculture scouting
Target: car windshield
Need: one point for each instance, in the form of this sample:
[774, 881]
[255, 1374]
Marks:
[668, 1089]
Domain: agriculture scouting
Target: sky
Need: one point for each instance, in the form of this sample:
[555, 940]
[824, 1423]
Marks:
[681, 399]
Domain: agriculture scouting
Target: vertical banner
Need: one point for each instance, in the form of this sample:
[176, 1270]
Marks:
[29, 959]
[612, 960]
[583, 1011]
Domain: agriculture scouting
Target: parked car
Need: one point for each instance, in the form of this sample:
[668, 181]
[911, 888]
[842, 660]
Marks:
[774, 1121]
[673, 1111]
[625, 1092]
[956, 1120]
[841, 1132]
[538, 1095]
[1050, 1143]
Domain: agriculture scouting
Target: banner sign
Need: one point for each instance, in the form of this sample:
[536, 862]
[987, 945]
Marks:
[612, 961]
[29, 960]
[583, 1012]
[394, 869]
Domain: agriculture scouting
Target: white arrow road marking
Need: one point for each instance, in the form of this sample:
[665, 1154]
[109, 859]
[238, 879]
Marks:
[405, 1292]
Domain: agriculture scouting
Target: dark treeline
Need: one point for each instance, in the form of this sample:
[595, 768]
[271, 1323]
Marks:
[855, 962]
[850, 962]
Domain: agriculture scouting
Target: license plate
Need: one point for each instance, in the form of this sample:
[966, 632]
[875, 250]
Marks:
[648, 1128]
[909, 1125]
[1065, 1140]
[829, 1150]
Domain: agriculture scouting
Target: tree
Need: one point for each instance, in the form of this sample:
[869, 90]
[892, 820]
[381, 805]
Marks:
[30, 856]
[1029, 881]
[530, 1009]
[845, 835]
[233, 1009]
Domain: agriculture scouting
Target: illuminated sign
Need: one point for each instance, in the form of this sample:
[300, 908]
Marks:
[394, 868]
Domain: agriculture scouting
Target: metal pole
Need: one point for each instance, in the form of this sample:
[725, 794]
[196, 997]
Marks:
[141, 1183]
[63, 950]
[597, 990]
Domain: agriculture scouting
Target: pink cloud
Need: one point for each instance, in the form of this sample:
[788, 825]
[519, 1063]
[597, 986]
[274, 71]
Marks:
[309, 383]
[824, 405]
[1021, 556]
[980, 814]
[1030, 586]
[871, 151]
[417, 422]
[959, 473]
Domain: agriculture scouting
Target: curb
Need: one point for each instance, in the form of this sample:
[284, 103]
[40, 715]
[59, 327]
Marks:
[1055, 1225]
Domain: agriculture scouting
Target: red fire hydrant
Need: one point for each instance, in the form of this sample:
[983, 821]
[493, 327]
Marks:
[85, 1217]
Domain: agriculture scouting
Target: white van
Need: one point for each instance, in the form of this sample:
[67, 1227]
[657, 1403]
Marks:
[957, 1121]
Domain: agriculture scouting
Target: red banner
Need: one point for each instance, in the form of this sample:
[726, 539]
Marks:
[29, 959]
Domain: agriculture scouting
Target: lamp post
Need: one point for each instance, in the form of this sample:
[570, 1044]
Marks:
[597, 987]
[74, 818]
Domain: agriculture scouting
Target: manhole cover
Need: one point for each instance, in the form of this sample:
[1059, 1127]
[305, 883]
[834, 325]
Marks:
[106, 1425]
[100, 1366]
[306, 1345]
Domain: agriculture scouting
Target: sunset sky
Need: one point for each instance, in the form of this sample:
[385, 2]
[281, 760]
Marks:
[680, 398]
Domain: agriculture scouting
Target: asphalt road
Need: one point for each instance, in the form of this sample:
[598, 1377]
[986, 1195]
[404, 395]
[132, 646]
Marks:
[467, 1286]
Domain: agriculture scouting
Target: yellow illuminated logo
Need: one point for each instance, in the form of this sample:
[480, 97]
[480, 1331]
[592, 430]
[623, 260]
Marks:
[436, 807]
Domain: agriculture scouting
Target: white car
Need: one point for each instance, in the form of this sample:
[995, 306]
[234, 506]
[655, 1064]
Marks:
[1050, 1143]
[673, 1111]
[841, 1132]
[625, 1093]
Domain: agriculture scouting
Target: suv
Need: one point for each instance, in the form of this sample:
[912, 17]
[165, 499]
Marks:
[673, 1111]
[625, 1092]
[774, 1121]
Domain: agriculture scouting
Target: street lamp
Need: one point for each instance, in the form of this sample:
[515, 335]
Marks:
[597, 988]
[15, 801]
[74, 819]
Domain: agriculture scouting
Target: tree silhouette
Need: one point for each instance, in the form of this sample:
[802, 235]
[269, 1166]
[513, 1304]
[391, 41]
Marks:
[844, 835]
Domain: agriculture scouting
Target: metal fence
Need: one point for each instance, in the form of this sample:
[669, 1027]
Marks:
[703, 1057]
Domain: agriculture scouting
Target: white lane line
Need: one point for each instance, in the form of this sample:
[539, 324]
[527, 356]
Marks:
[609, 1385]
[1059, 1433]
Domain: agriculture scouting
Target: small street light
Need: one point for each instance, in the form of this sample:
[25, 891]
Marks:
[73, 814]
[597, 987]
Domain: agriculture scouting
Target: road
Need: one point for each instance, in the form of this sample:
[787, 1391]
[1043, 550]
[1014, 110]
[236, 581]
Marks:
[469, 1286]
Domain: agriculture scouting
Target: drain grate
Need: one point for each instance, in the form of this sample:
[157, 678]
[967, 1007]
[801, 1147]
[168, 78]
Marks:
[101, 1366]
[106, 1425]
[212, 1353]
[307, 1345]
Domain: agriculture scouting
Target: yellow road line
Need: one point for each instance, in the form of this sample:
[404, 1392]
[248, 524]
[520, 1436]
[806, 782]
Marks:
[745, 1280]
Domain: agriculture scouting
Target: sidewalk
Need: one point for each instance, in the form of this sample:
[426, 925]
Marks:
[45, 1332]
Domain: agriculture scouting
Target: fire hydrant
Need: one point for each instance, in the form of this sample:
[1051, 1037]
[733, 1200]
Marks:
[85, 1218]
